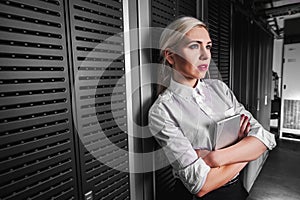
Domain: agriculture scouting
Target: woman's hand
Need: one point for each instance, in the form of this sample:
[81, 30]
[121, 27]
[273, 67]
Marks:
[244, 127]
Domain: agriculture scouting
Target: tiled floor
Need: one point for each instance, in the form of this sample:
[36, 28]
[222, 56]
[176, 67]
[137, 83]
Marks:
[280, 177]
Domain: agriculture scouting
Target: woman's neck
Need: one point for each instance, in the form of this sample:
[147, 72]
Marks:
[192, 82]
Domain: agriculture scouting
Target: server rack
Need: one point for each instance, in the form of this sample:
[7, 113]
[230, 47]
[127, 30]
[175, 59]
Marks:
[63, 116]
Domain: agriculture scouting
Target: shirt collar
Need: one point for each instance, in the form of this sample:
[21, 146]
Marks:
[182, 90]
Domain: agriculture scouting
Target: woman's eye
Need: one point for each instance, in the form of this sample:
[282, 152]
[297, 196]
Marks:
[194, 46]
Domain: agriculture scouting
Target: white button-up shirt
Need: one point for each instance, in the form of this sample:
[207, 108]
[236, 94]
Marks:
[181, 120]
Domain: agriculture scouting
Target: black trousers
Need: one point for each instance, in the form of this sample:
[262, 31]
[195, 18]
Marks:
[234, 191]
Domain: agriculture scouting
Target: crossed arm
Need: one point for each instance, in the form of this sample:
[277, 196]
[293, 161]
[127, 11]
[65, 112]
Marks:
[226, 163]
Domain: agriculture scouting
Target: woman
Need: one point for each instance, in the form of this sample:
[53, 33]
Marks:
[181, 118]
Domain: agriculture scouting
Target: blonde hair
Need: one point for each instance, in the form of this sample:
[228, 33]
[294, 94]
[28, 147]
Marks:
[173, 33]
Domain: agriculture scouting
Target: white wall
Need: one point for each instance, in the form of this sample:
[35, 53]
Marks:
[277, 61]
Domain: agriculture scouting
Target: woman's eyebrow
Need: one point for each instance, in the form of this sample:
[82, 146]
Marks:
[198, 41]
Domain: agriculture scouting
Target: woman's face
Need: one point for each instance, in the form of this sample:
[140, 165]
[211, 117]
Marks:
[191, 57]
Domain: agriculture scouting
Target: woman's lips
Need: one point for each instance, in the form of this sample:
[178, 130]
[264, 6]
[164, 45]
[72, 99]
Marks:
[203, 67]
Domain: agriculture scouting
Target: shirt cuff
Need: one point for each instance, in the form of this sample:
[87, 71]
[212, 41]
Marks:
[194, 175]
[264, 136]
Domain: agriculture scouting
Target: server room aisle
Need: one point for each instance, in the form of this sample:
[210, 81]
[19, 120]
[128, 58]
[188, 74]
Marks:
[280, 177]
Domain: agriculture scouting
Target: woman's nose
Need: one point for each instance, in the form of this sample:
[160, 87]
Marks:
[204, 54]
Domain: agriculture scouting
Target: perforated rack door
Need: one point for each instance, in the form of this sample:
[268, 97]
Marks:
[219, 15]
[163, 12]
[100, 96]
[36, 145]
[224, 41]
[187, 8]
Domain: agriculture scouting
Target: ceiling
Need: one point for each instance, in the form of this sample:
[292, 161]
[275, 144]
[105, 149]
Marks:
[274, 12]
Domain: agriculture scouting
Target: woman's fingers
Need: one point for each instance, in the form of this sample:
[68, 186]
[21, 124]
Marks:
[243, 123]
[242, 119]
[248, 128]
[244, 127]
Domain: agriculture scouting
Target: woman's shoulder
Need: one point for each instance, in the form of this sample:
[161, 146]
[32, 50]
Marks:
[162, 100]
[164, 97]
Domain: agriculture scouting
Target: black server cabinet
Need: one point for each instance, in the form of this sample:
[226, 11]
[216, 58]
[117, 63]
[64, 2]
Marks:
[63, 113]
[100, 97]
[37, 156]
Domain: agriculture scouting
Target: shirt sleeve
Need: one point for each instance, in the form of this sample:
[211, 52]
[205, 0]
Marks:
[187, 166]
[256, 129]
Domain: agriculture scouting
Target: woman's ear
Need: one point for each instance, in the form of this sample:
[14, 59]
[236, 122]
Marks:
[169, 55]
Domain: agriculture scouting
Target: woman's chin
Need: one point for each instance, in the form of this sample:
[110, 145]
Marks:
[202, 75]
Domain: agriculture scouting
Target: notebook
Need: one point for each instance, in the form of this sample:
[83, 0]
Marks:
[226, 132]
